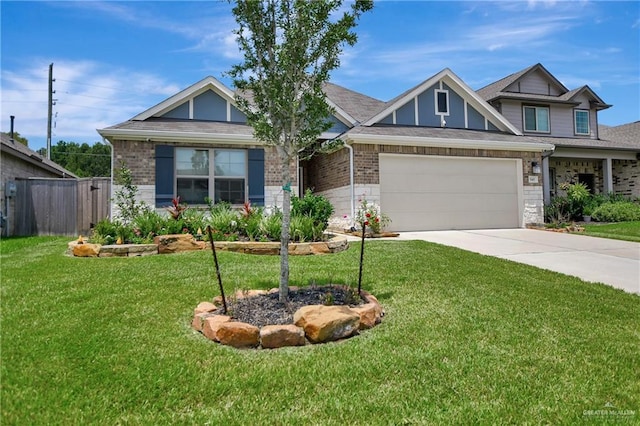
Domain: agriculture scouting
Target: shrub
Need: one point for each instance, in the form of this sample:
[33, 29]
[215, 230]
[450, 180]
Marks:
[371, 215]
[147, 225]
[224, 219]
[105, 232]
[193, 220]
[250, 218]
[303, 228]
[271, 225]
[317, 207]
[617, 212]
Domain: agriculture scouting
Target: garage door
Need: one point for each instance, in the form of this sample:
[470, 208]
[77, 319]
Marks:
[434, 193]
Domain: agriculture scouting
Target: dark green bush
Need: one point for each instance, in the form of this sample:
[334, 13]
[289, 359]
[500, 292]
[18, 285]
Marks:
[617, 212]
[315, 206]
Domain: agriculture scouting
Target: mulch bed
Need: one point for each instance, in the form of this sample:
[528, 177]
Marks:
[266, 309]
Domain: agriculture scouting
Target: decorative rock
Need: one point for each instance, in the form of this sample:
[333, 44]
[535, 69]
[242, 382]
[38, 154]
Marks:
[240, 294]
[142, 249]
[238, 334]
[369, 315]
[326, 323]
[278, 336]
[212, 325]
[320, 248]
[198, 320]
[176, 243]
[204, 307]
[86, 250]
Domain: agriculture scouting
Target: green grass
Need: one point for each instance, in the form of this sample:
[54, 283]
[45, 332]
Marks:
[466, 339]
[628, 231]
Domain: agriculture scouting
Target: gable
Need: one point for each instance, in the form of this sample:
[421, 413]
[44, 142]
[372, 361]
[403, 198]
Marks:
[464, 108]
[537, 82]
[207, 100]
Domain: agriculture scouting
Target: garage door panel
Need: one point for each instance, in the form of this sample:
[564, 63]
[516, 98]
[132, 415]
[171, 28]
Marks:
[428, 192]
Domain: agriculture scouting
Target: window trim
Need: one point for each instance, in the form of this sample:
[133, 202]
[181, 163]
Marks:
[211, 175]
[536, 108]
[575, 122]
[435, 98]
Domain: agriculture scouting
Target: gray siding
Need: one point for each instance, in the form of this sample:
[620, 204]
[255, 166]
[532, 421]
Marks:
[535, 83]
[181, 112]
[387, 120]
[406, 114]
[237, 116]
[475, 120]
[456, 109]
[209, 106]
[512, 111]
[426, 108]
[337, 126]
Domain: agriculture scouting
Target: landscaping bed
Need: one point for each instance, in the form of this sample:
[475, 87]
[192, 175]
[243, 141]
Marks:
[315, 314]
[166, 244]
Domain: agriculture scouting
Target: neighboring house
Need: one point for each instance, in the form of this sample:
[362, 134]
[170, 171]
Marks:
[438, 156]
[543, 109]
[20, 162]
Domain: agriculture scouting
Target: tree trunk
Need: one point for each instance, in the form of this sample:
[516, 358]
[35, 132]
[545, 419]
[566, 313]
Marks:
[286, 220]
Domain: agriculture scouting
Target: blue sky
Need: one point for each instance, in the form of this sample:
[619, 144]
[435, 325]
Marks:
[113, 60]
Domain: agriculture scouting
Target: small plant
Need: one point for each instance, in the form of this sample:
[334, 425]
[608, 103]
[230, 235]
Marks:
[328, 299]
[370, 215]
[271, 225]
[176, 208]
[125, 196]
[352, 297]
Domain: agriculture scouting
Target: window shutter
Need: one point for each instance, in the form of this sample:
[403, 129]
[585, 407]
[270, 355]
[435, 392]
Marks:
[256, 176]
[164, 175]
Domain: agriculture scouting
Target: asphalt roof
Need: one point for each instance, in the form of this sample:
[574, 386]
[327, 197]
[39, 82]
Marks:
[24, 152]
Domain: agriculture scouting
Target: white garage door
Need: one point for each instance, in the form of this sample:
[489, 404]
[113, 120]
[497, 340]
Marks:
[433, 193]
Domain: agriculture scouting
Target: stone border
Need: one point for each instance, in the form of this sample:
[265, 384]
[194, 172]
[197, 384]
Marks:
[312, 324]
[166, 244]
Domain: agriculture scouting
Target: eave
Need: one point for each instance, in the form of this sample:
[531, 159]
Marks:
[163, 136]
[449, 143]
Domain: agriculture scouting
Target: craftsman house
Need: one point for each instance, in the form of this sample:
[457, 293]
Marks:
[438, 156]
[541, 107]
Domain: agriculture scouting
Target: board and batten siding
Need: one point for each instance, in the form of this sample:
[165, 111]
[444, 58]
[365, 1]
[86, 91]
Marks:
[534, 83]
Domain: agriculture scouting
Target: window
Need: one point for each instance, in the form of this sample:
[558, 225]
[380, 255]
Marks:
[536, 119]
[218, 174]
[442, 102]
[581, 120]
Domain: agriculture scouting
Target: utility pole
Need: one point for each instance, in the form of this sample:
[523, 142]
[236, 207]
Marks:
[50, 112]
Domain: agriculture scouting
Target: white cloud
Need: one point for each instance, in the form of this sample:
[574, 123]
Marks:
[89, 95]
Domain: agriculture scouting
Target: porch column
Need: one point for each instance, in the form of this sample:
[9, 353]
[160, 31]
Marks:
[607, 175]
[546, 185]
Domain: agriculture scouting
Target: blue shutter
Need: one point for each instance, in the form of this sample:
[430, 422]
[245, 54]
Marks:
[256, 177]
[164, 175]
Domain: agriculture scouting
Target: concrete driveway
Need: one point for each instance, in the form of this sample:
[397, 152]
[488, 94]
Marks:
[613, 262]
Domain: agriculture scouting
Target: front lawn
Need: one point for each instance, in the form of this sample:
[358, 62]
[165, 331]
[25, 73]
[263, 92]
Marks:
[466, 339]
[629, 231]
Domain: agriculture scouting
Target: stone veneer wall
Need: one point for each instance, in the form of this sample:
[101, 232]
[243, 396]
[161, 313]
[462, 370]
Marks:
[567, 170]
[139, 157]
[626, 177]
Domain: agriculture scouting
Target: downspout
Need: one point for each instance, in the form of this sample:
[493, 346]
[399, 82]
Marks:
[112, 172]
[546, 185]
[351, 185]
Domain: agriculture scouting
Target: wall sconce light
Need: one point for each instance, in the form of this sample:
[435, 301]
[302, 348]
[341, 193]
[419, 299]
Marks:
[535, 167]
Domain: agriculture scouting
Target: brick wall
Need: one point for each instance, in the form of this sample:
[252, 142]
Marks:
[626, 177]
[273, 170]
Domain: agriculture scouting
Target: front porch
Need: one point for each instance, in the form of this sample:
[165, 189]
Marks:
[602, 171]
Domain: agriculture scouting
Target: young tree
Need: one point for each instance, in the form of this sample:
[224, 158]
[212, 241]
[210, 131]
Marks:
[289, 48]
